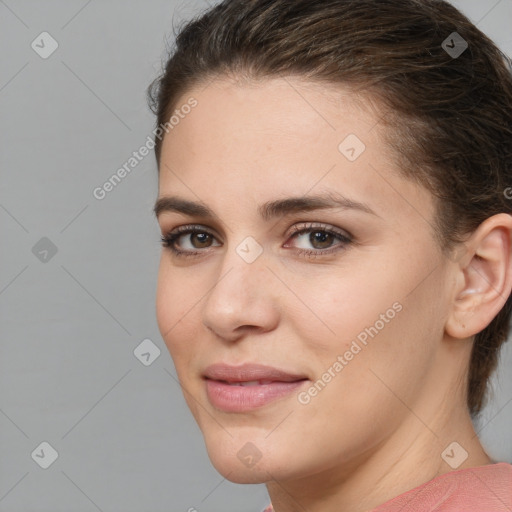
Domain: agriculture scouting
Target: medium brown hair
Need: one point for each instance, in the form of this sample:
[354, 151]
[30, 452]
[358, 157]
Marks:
[450, 117]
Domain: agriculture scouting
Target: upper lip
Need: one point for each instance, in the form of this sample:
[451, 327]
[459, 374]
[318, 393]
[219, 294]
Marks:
[249, 372]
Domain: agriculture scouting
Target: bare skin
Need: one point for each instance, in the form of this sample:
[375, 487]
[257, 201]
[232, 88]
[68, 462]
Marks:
[380, 425]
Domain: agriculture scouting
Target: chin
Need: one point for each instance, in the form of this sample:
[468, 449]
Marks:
[237, 471]
[243, 459]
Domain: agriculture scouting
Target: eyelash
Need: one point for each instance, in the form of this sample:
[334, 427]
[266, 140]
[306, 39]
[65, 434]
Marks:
[168, 241]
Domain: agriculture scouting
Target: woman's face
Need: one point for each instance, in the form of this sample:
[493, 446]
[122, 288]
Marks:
[349, 300]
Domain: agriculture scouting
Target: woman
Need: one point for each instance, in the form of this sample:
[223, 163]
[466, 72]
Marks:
[335, 280]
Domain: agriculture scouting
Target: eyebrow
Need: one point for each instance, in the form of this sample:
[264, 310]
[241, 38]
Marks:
[268, 210]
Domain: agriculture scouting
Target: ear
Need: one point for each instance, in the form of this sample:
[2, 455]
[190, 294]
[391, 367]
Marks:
[484, 278]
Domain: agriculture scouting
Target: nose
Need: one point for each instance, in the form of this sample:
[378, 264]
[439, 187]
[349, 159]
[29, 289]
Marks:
[242, 299]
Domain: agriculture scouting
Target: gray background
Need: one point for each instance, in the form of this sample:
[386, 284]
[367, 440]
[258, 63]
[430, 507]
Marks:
[71, 322]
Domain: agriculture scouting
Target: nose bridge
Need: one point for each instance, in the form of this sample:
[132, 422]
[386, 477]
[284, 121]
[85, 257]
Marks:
[240, 295]
[242, 268]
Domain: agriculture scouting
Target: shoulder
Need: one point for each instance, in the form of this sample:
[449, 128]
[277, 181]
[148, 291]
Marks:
[483, 488]
[475, 489]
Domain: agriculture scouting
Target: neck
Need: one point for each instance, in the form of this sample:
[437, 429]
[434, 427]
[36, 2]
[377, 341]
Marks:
[410, 457]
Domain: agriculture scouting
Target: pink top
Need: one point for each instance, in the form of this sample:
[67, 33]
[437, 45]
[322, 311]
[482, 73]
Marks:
[481, 489]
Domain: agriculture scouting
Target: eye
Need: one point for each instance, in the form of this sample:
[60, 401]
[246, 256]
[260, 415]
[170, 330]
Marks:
[321, 238]
[189, 240]
[196, 238]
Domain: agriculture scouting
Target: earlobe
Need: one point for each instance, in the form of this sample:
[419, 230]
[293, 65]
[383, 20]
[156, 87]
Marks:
[484, 279]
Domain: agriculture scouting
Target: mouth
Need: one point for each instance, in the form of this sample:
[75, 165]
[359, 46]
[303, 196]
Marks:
[249, 386]
[249, 373]
[248, 383]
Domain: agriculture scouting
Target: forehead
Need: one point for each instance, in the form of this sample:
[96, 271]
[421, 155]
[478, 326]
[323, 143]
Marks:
[237, 123]
[272, 103]
[274, 137]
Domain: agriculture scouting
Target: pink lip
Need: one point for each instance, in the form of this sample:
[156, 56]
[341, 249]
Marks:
[249, 371]
[229, 397]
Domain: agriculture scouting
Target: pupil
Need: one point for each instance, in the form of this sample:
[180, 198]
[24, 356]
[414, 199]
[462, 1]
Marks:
[202, 238]
[322, 237]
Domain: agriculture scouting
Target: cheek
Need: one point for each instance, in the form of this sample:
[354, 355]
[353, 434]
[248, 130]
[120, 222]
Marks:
[360, 388]
[336, 305]
[165, 300]
[369, 316]
[174, 308]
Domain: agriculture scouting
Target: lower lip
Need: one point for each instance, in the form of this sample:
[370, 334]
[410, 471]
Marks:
[233, 398]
